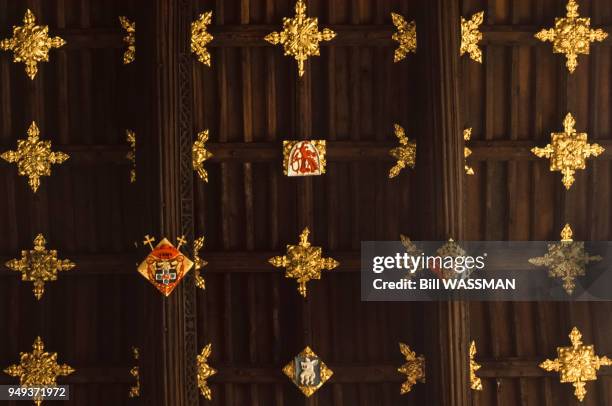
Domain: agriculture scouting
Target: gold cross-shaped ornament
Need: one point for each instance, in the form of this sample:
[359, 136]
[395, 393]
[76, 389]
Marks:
[31, 44]
[34, 157]
[568, 151]
[572, 35]
[300, 36]
[38, 368]
[577, 364]
[304, 262]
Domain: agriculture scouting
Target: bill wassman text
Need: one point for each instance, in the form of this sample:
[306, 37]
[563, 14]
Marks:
[447, 284]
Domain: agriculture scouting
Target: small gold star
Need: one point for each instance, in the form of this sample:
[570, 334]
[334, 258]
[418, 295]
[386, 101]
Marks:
[414, 368]
[200, 37]
[577, 364]
[572, 35]
[205, 371]
[406, 37]
[467, 135]
[471, 36]
[475, 382]
[568, 151]
[39, 265]
[200, 154]
[300, 36]
[38, 368]
[34, 157]
[31, 44]
[405, 153]
[304, 262]
[566, 260]
[129, 55]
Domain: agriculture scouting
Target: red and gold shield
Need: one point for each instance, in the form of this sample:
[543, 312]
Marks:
[165, 266]
[304, 158]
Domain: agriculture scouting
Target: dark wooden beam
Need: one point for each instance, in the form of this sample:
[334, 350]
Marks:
[337, 151]
[441, 194]
[252, 35]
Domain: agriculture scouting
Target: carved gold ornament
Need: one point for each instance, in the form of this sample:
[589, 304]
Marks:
[135, 372]
[304, 158]
[304, 262]
[199, 263]
[566, 260]
[38, 368]
[34, 157]
[129, 27]
[39, 265]
[406, 36]
[568, 151]
[471, 36]
[131, 156]
[200, 154]
[577, 364]
[414, 368]
[467, 135]
[475, 382]
[405, 153]
[205, 371]
[572, 35]
[31, 44]
[200, 37]
[300, 36]
[307, 372]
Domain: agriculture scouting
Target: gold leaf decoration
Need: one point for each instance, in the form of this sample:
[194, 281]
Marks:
[135, 372]
[39, 265]
[199, 263]
[129, 39]
[475, 381]
[300, 36]
[200, 37]
[304, 262]
[577, 364]
[471, 36]
[414, 368]
[131, 156]
[568, 151]
[308, 372]
[200, 154]
[405, 153]
[38, 368]
[31, 44]
[467, 136]
[205, 371]
[572, 35]
[34, 157]
[406, 37]
[566, 260]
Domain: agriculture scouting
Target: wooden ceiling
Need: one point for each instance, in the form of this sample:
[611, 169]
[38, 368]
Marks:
[251, 99]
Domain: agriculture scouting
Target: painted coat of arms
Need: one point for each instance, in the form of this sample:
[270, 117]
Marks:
[166, 265]
[304, 158]
[307, 372]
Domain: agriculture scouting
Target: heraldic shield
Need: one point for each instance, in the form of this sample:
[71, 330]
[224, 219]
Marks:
[165, 266]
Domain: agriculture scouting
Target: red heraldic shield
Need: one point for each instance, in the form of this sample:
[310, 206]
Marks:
[165, 267]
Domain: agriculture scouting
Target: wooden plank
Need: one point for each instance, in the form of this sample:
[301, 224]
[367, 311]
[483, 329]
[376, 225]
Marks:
[337, 151]
[370, 35]
[252, 35]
